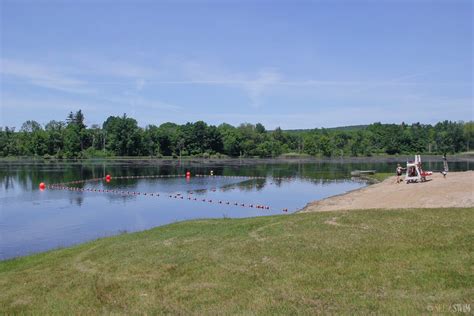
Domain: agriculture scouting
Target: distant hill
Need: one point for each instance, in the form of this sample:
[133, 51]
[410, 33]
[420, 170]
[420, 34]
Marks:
[349, 128]
[339, 128]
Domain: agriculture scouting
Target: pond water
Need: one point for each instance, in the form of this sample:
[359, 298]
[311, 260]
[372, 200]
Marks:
[32, 220]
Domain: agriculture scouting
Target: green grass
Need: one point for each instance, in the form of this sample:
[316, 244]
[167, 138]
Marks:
[379, 176]
[384, 262]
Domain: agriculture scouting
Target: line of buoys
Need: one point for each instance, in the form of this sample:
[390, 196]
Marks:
[187, 175]
[156, 194]
[108, 178]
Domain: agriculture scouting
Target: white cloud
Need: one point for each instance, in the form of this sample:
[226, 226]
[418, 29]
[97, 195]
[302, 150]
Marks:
[140, 84]
[408, 109]
[388, 98]
[102, 67]
[65, 78]
[253, 84]
[42, 76]
[257, 87]
[135, 101]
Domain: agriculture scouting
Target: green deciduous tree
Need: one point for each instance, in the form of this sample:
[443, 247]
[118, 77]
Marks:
[121, 136]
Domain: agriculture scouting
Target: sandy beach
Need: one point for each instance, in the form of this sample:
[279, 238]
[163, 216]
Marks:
[456, 190]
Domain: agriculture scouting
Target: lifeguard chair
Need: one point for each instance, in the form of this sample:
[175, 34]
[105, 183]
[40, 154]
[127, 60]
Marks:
[415, 171]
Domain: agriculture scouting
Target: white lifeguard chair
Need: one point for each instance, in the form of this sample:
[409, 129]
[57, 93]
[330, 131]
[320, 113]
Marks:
[414, 171]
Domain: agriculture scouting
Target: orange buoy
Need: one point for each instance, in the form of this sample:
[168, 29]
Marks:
[42, 186]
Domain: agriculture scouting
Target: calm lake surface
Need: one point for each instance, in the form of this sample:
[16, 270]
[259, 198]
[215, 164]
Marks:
[32, 220]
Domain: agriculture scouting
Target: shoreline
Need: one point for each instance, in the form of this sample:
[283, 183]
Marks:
[303, 211]
[338, 202]
[454, 191]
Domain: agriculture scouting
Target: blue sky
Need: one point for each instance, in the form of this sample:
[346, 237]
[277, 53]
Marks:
[294, 64]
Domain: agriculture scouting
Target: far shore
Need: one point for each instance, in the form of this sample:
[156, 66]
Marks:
[456, 190]
[241, 161]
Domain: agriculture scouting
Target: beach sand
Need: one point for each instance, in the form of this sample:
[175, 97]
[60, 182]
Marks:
[456, 190]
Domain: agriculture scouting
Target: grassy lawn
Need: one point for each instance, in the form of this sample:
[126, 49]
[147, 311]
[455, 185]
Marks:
[396, 262]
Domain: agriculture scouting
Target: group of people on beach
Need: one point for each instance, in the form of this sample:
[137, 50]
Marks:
[400, 169]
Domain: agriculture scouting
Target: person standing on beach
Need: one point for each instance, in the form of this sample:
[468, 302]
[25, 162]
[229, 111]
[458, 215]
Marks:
[445, 166]
[399, 172]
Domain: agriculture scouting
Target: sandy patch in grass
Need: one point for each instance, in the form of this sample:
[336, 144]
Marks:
[456, 190]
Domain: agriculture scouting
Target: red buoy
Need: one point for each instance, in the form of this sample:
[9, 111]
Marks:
[42, 186]
[108, 177]
[188, 174]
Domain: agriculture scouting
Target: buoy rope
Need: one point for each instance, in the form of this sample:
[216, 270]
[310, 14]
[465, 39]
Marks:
[178, 196]
[182, 176]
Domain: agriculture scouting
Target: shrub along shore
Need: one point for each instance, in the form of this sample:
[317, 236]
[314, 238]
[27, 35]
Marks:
[389, 262]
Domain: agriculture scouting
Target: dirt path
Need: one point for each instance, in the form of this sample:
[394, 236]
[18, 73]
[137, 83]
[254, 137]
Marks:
[456, 190]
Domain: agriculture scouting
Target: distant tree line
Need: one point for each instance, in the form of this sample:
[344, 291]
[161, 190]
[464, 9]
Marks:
[121, 136]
